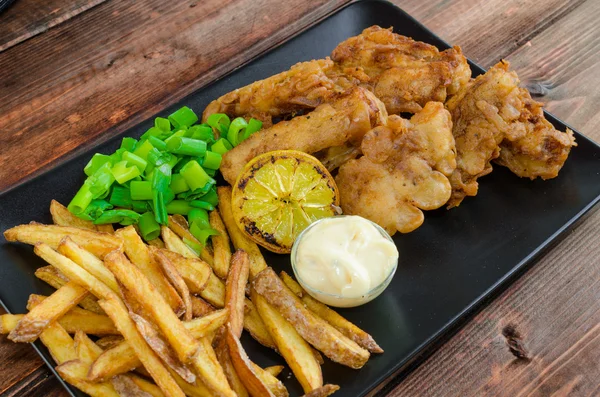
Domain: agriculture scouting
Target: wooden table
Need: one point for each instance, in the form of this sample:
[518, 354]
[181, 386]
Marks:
[76, 72]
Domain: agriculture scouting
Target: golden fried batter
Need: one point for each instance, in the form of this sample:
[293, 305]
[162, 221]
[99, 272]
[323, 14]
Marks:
[404, 170]
[405, 74]
[343, 120]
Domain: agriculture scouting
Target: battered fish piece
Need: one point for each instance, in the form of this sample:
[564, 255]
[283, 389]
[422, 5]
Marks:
[404, 170]
[344, 120]
[305, 85]
[405, 74]
[492, 116]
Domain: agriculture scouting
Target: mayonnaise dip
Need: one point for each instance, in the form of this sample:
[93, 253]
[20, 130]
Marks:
[344, 261]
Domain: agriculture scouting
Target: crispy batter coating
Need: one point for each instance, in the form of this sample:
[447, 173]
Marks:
[405, 74]
[404, 170]
[346, 119]
[492, 116]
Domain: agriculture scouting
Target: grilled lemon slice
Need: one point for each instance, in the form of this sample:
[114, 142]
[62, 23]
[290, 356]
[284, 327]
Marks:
[280, 193]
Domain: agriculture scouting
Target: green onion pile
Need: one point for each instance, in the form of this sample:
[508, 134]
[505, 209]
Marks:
[169, 170]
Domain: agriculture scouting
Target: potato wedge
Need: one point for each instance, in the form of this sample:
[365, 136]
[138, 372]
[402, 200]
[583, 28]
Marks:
[235, 291]
[274, 370]
[296, 351]
[243, 366]
[313, 329]
[59, 343]
[118, 313]
[51, 309]
[324, 391]
[221, 247]
[239, 239]
[332, 317]
[97, 243]
[274, 384]
[173, 275]
[194, 271]
[178, 224]
[139, 254]
[74, 372]
[61, 216]
[200, 307]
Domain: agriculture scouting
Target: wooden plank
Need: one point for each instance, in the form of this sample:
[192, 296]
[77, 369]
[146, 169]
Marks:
[28, 18]
[40, 383]
[68, 87]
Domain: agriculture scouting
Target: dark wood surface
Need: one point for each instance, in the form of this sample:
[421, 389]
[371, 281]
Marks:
[76, 72]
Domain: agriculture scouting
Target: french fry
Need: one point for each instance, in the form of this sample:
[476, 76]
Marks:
[106, 342]
[157, 242]
[239, 239]
[274, 370]
[313, 329]
[87, 351]
[146, 386]
[214, 291]
[254, 324]
[243, 366]
[107, 228]
[61, 216]
[74, 372]
[126, 387]
[178, 224]
[51, 309]
[176, 280]
[56, 279]
[73, 271]
[274, 384]
[208, 367]
[118, 313]
[332, 317]
[140, 256]
[194, 271]
[324, 391]
[97, 243]
[235, 382]
[235, 292]
[221, 247]
[294, 349]
[203, 326]
[59, 343]
[200, 307]
[197, 390]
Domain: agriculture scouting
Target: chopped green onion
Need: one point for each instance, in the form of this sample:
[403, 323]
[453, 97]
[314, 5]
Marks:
[211, 197]
[161, 179]
[137, 161]
[253, 126]
[183, 117]
[187, 146]
[195, 176]
[149, 228]
[195, 194]
[180, 207]
[143, 149]
[178, 184]
[82, 199]
[97, 161]
[193, 245]
[182, 161]
[120, 197]
[237, 127]
[202, 132]
[202, 235]
[221, 146]
[128, 144]
[122, 173]
[95, 209]
[211, 172]
[101, 181]
[124, 217]
[202, 204]
[162, 124]
[199, 216]
[212, 160]
[219, 122]
[157, 143]
[176, 134]
[141, 190]
[141, 206]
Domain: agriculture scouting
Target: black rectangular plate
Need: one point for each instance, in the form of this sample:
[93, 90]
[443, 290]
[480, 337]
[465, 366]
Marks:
[447, 267]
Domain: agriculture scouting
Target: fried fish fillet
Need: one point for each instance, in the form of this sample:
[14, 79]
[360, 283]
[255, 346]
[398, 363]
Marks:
[492, 116]
[343, 120]
[404, 170]
[405, 74]
[305, 85]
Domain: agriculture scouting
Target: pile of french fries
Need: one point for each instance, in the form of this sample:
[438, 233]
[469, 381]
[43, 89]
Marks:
[165, 320]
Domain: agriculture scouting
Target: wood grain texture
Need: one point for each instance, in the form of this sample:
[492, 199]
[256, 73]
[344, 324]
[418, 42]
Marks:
[541, 337]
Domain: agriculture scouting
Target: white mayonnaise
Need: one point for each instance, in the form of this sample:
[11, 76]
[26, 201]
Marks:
[344, 261]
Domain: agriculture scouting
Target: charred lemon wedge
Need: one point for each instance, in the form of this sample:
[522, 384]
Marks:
[278, 194]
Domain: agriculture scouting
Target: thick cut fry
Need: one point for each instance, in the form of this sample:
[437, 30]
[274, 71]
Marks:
[61, 216]
[146, 386]
[52, 308]
[176, 280]
[179, 225]
[194, 271]
[200, 307]
[203, 326]
[274, 370]
[126, 387]
[87, 350]
[243, 366]
[118, 313]
[139, 254]
[221, 247]
[332, 317]
[74, 372]
[235, 291]
[88, 262]
[109, 341]
[208, 367]
[324, 391]
[56, 279]
[157, 242]
[197, 390]
[73, 271]
[270, 380]
[254, 324]
[239, 239]
[97, 243]
[296, 351]
[225, 360]
[313, 329]
[214, 291]
[59, 343]
[106, 228]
